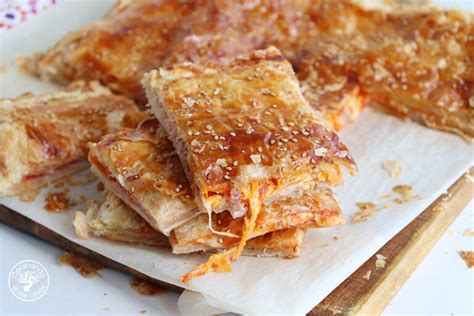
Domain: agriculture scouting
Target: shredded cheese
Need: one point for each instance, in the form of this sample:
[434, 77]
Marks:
[221, 262]
[226, 234]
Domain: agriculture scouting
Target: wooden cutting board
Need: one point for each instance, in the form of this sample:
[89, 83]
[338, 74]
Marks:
[356, 295]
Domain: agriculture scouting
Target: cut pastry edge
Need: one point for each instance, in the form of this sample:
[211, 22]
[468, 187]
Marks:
[157, 222]
[116, 221]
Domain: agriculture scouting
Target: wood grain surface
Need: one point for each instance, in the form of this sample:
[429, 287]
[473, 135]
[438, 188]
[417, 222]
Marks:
[404, 252]
[356, 295]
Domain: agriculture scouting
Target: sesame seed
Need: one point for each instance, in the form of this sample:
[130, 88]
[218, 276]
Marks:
[256, 158]
[220, 240]
[259, 149]
[227, 177]
[189, 101]
[235, 163]
[209, 127]
[320, 151]
[232, 134]
[342, 153]
[240, 125]
[190, 133]
[221, 162]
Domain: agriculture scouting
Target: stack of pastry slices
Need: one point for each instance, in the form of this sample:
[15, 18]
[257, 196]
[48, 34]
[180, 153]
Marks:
[233, 160]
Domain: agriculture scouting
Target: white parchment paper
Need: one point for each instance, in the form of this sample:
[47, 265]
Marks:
[431, 162]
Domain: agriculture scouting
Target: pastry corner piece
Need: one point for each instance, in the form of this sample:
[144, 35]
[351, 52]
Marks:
[140, 166]
[114, 220]
[45, 137]
[243, 132]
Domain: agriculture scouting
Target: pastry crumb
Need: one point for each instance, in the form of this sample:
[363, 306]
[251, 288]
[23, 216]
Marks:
[367, 275]
[3, 69]
[85, 267]
[404, 190]
[81, 225]
[468, 232]
[380, 262]
[366, 211]
[468, 257]
[335, 237]
[57, 201]
[385, 196]
[146, 288]
[393, 168]
[143, 311]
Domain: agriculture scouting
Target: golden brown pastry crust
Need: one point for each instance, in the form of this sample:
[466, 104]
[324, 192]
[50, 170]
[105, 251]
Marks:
[283, 243]
[141, 167]
[45, 137]
[431, 84]
[243, 122]
[415, 64]
[116, 221]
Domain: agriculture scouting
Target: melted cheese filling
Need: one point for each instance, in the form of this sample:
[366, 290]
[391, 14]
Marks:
[221, 262]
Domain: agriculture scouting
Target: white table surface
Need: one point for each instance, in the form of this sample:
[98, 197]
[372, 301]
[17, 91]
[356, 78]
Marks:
[442, 284]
